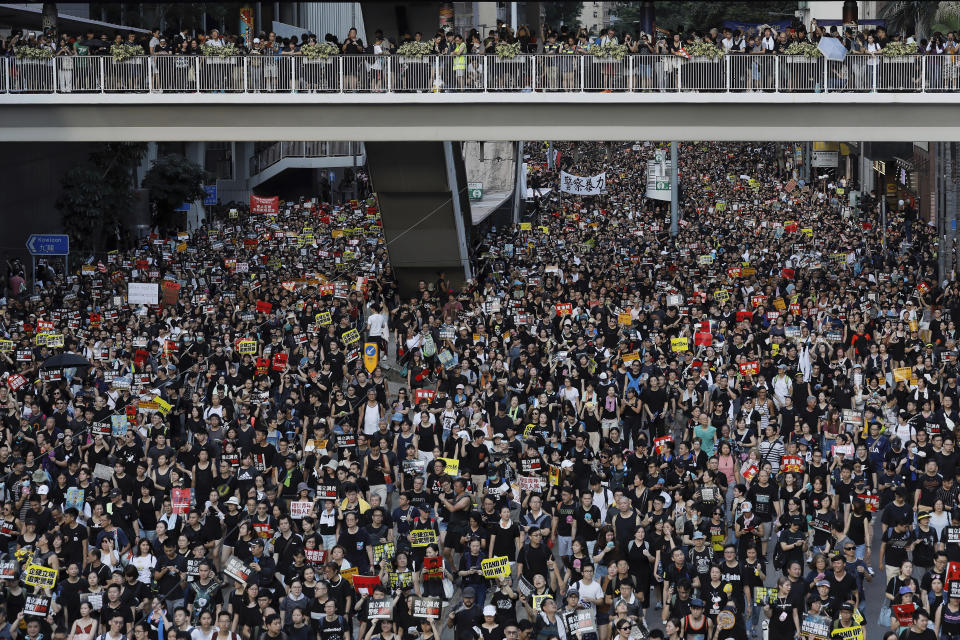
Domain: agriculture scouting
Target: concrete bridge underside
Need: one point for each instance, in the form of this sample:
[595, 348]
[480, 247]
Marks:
[438, 117]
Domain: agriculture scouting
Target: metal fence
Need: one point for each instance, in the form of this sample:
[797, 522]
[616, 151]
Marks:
[560, 73]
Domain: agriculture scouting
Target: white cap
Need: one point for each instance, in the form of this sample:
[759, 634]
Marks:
[256, 41]
[746, 506]
[489, 610]
[43, 490]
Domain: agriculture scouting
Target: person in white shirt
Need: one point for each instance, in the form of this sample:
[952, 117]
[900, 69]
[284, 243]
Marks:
[378, 328]
[589, 589]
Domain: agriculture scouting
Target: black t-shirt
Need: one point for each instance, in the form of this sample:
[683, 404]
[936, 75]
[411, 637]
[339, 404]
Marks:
[781, 617]
[762, 499]
[896, 550]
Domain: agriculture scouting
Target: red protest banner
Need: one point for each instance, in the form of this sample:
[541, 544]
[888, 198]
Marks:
[703, 339]
[171, 292]
[365, 584]
[789, 274]
[749, 368]
[180, 500]
[424, 394]
[744, 315]
[564, 309]
[260, 204]
[264, 307]
[262, 365]
[279, 361]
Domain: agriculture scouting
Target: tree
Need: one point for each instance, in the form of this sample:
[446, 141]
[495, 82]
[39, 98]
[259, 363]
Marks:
[562, 13]
[173, 180]
[910, 16]
[97, 194]
[701, 16]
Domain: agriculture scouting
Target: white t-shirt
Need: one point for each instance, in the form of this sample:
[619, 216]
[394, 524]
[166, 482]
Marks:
[593, 590]
[377, 325]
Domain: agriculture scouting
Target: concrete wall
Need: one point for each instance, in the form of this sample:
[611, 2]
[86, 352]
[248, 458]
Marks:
[491, 163]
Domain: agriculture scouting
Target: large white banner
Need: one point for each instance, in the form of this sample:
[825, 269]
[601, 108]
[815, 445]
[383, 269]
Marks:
[583, 185]
[143, 293]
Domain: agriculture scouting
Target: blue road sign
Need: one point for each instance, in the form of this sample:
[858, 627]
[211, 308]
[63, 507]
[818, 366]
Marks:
[48, 244]
[371, 350]
[211, 197]
[184, 207]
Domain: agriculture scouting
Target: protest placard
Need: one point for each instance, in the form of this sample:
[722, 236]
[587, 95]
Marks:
[791, 464]
[180, 501]
[422, 537]
[74, 498]
[40, 576]
[300, 509]
[237, 569]
[103, 472]
[452, 466]
[365, 584]
[385, 551]
[659, 443]
[37, 606]
[496, 567]
[529, 483]
[580, 621]
[8, 570]
[380, 609]
[815, 627]
[426, 607]
[679, 344]
[350, 337]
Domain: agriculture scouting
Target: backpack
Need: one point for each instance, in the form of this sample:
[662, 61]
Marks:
[429, 346]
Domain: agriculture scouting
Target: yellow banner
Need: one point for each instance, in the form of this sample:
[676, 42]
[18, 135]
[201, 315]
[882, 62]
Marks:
[349, 337]
[679, 344]
[40, 576]
[452, 467]
[496, 567]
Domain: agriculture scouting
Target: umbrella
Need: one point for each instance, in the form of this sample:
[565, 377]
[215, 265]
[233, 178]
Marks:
[66, 361]
[832, 49]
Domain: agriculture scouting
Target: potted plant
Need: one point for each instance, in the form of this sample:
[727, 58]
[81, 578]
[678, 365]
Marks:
[124, 52]
[802, 52]
[32, 53]
[700, 51]
[507, 50]
[899, 52]
[320, 51]
[226, 50]
[610, 52]
[414, 51]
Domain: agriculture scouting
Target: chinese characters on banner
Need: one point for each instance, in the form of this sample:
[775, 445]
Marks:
[259, 204]
[583, 186]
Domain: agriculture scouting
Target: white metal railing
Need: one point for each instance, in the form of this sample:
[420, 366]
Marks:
[302, 149]
[551, 73]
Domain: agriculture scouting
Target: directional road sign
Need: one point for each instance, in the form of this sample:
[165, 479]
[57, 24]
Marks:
[48, 244]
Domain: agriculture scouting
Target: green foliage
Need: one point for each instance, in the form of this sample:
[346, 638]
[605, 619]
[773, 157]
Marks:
[694, 16]
[173, 180]
[97, 194]
[910, 16]
[563, 13]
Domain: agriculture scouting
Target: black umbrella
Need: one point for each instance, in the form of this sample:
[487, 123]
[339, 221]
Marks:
[66, 361]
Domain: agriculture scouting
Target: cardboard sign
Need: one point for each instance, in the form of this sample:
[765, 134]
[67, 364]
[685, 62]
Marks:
[422, 537]
[316, 556]
[323, 318]
[426, 607]
[496, 567]
[40, 576]
[264, 307]
[180, 500]
[237, 570]
[171, 293]
[103, 472]
[529, 483]
[702, 339]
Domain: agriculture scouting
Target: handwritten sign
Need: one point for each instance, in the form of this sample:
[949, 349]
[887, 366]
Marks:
[497, 567]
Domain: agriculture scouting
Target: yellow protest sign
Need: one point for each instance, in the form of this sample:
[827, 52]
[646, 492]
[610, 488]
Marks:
[721, 295]
[452, 467]
[496, 567]
[679, 344]
[807, 231]
[554, 475]
[422, 537]
[40, 576]
[40, 340]
[349, 337]
[348, 574]
[6, 346]
[247, 347]
[779, 304]
[323, 318]
[162, 405]
[538, 600]
[526, 226]
[848, 633]
[624, 319]
[630, 357]
[545, 229]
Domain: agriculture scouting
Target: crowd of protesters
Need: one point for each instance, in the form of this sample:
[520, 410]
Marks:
[609, 432]
[761, 39]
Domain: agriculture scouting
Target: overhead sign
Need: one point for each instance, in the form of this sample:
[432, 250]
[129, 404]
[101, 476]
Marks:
[825, 159]
[48, 244]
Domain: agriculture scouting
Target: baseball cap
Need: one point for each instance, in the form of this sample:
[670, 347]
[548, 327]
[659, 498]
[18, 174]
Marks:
[696, 602]
[904, 590]
[489, 610]
[846, 606]
[823, 583]
[698, 535]
[469, 592]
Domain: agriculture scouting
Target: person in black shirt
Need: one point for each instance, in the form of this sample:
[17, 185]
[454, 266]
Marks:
[783, 613]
